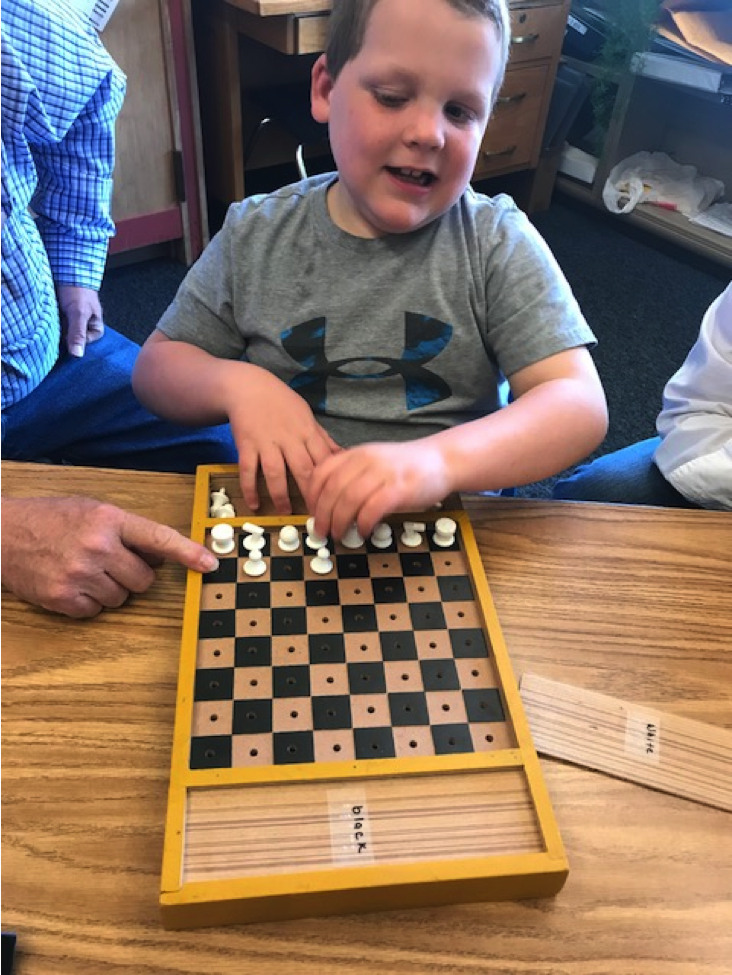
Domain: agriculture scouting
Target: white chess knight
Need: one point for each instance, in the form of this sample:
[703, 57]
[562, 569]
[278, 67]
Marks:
[411, 534]
[222, 539]
[255, 538]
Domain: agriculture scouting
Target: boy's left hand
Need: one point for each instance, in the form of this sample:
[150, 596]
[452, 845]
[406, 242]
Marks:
[366, 483]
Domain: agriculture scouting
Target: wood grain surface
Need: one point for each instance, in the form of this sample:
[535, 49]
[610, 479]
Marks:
[636, 603]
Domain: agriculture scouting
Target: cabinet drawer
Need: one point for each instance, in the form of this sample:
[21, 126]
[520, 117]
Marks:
[512, 138]
[536, 32]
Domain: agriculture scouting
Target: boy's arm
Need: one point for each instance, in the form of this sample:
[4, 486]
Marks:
[272, 426]
[559, 415]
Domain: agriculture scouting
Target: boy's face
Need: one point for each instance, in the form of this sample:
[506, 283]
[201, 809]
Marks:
[407, 115]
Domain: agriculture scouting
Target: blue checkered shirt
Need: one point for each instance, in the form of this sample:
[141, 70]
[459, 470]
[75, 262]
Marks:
[61, 94]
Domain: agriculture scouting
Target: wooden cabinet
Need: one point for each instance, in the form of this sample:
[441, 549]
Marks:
[158, 176]
[513, 138]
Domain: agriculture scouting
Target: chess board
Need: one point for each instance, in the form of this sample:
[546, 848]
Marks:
[348, 741]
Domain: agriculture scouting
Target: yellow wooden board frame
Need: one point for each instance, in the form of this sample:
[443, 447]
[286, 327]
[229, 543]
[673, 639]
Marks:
[538, 870]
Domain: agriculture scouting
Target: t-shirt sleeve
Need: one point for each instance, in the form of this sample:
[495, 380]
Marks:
[532, 312]
[203, 312]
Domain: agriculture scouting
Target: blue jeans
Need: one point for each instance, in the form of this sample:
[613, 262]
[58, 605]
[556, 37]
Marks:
[84, 412]
[627, 476]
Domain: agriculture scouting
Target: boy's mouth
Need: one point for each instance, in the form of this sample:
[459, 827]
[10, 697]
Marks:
[419, 177]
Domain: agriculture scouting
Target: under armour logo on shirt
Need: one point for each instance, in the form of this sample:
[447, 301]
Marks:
[424, 338]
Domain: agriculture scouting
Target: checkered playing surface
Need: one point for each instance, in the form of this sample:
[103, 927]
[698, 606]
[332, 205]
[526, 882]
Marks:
[385, 657]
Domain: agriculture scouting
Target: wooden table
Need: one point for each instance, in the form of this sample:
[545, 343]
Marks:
[636, 603]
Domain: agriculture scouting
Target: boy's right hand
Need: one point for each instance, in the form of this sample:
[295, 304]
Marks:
[279, 435]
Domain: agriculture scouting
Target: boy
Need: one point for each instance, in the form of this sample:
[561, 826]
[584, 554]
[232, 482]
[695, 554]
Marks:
[356, 328]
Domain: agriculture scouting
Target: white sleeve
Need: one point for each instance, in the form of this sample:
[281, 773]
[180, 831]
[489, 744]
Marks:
[695, 424]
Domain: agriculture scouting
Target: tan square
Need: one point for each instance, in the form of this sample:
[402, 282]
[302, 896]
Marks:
[253, 622]
[370, 711]
[446, 707]
[334, 746]
[289, 650]
[450, 564]
[324, 619]
[476, 672]
[292, 714]
[216, 652]
[362, 647]
[384, 565]
[212, 718]
[403, 676]
[287, 593]
[432, 644]
[252, 682]
[251, 750]
[422, 589]
[220, 595]
[462, 615]
[410, 742]
[357, 592]
[328, 679]
[492, 736]
[393, 616]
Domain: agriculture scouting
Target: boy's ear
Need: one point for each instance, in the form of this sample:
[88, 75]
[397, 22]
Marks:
[321, 85]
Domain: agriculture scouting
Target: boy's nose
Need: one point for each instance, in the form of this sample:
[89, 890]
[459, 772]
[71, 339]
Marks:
[425, 127]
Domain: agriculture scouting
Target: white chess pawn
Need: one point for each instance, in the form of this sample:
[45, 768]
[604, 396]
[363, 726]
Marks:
[444, 535]
[313, 540]
[352, 538]
[410, 535]
[222, 539]
[322, 563]
[382, 535]
[255, 538]
[289, 540]
[255, 564]
[223, 511]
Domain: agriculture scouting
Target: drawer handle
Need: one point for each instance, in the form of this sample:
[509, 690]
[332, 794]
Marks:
[508, 151]
[525, 39]
[511, 99]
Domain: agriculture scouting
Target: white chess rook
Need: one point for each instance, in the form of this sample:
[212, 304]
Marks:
[222, 539]
[445, 529]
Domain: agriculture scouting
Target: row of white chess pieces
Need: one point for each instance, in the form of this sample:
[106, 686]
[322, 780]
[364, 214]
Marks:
[223, 537]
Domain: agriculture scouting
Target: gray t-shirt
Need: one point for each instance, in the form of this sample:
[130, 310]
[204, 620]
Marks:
[387, 339]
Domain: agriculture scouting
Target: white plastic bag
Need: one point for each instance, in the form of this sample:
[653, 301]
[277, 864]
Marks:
[654, 177]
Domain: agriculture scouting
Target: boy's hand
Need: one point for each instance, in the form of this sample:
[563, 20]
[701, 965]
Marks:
[364, 484]
[77, 556]
[81, 317]
[277, 435]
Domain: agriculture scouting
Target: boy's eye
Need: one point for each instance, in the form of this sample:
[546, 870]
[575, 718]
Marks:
[389, 99]
[459, 114]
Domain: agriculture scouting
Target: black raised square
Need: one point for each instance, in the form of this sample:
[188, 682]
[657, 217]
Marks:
[352, 566]
[484, 704]
[452, 739]
[468, 643]
[366, 678]
[427, 616]
[216, 623]
[398, 645]
[252, 717]
[253, 595]
[291, 681]
[327, 648]
[292, 747]
[214, 684]
[374, 743]
[389, 590]
[253, 651]
[439, 675]
[455, 589]
[359, 619]
[226, 571]
[286, 569]
[289, 620]
[332, 712]
[322, 592]
[213, 751]
[417, 564]
[408, 709]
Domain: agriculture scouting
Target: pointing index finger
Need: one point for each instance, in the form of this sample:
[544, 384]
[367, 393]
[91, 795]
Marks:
[161, 541]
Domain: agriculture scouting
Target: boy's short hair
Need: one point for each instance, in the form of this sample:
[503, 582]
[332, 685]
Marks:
[349, 18]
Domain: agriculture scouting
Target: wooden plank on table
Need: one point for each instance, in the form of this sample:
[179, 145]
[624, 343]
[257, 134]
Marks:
[631, 741]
